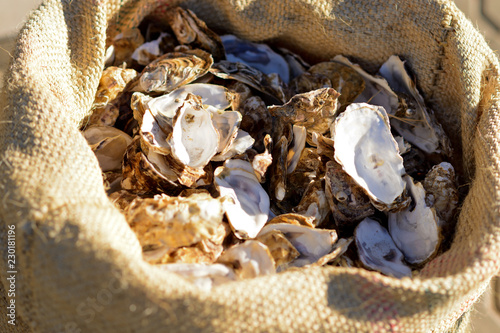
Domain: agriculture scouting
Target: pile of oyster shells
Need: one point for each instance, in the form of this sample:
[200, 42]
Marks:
[232, 160]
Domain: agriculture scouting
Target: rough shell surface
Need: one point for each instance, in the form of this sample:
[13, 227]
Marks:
[441, 191]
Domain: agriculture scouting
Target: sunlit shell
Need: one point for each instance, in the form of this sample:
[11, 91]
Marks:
[172, 222]
[190, 30]
[139, 105]
[279, 166]
[255, 55]
[307, 81]
[377, 250]
[249, 259]
[140, 176]
[346, 81]
[348, 201]
[441, 191]
[149, 51]
[226, 124]
[153, 135]
[324, 145]
[312, 244]
[112, 83]
[124, 45]
[194, 139]
[420, 128]
[112, 181]
[242, 92]
[202, 276]
[415, 229]
[314, 203]
[315, 110]
[256, 120]
[367, 151]
[248, 208]
[308, 169]
[186, 175]
[273, 88]
[121, 199]
[108, 144]
[297, 146]
[238, 145]
[282, 251]
[172, 70]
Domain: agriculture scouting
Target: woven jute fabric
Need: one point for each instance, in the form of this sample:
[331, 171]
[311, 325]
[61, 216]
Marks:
[79, 265]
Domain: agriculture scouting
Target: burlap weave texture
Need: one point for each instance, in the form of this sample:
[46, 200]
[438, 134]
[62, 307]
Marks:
[80, 265]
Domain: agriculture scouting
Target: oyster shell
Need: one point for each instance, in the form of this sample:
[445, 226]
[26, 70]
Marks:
[192, 31]
[273, 88]
[255, 55]
[415, 229]
[239, 145]
[194, 139]
[293, 218]
[367, 151]
[441, 191]
[123, 46]
[249, 259]
[377, 250]
[348, 201]
[202, 276]
[149, 51]
[249, 208]
[256, 120]
[312, 244]
[172, 222]
[108, 144]
[315, 110]
[314, 202]
[140, 176]
[419, 126]
[262, 161]
[112, 83]
[173, 70]
[282, 251]
[339, 249]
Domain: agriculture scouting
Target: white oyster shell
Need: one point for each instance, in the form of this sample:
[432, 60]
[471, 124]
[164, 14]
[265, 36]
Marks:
[441, 191]
[377, 249]
[194, 139]
[311, 243]
[248, 210]
[149, 51]
[367, 151]
[415, 229]
[249, 259]
[239, 145]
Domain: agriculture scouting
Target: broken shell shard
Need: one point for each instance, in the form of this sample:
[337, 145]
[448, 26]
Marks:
[282, 251]
[172, 70]
[256, 120]
[312, 244]
[314, 202]
[194, 139]
[249, 259]
[441, 191]
[298, 144]
[377, 250]
[226, 124]
[108, 144]
[255, 55]
[172, 222]
[149, 51]
[414, 230]
[367, 151]
[239, 145]
[248, 208]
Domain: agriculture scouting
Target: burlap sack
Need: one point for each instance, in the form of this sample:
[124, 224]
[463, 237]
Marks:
[79, 264]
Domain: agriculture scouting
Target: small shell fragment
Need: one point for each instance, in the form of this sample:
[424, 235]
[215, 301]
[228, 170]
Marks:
[108, 144]
[249, 259]
[367, 151]
[202, 276]
[282, 251]
[377, 250]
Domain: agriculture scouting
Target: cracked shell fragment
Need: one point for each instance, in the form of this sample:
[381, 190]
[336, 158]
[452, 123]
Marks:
[172, 222]
[377, 250]
[282, 251]
[367, 151]
[248, 207]
[249, 259]
[415, 229]
[311, 243]
[108, 144]
[173, 70]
